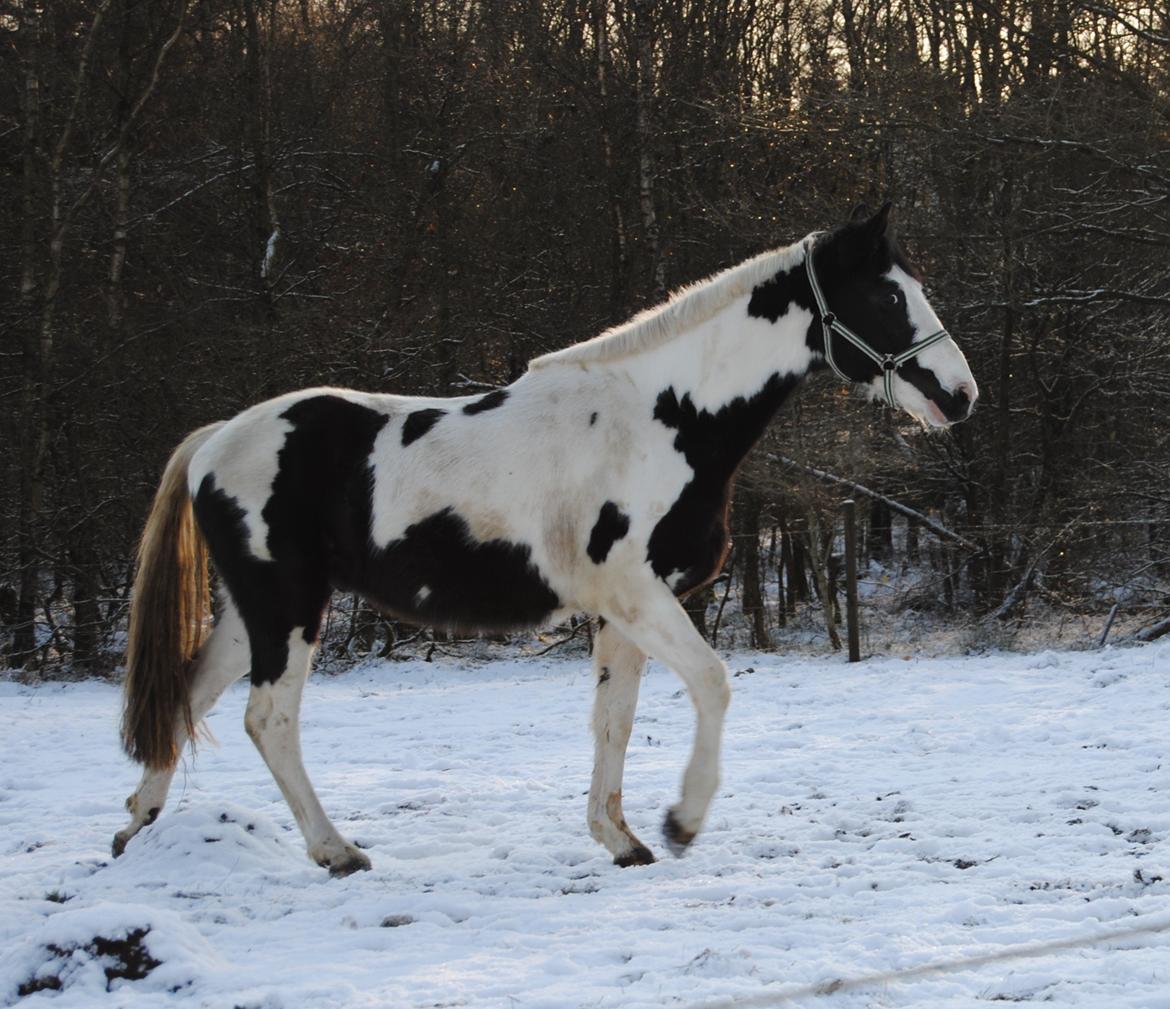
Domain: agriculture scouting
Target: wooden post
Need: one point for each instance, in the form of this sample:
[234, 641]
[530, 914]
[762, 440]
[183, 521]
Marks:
[1108, 624]
[849, 510]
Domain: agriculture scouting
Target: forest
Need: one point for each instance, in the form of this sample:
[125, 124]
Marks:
[206, 203]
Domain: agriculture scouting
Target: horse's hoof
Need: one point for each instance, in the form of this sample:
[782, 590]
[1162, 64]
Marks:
[119, 844]
[677, 839]
[637, 855]
[347, 864]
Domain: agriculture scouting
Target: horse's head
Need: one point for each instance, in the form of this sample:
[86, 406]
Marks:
[877, 327]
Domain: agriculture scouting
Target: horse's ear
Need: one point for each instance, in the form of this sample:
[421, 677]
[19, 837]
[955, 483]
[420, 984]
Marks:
[862, 236]
[880, 222]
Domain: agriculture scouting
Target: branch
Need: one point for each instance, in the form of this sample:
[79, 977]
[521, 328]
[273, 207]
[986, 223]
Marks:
[575, 632]
[941, 531]
[128, 122]
[1020, 589]
[78, 88]
[1153, 631]
[1101, 294]
[1114, 13]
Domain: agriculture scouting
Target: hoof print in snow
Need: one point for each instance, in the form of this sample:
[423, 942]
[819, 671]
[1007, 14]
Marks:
[397, 920]
[677, 839]
[963, 863]
[124, 958]
[638, 855]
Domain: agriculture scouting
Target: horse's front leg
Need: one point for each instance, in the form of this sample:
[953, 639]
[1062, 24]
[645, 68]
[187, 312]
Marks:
[659, 626]
[617, 669]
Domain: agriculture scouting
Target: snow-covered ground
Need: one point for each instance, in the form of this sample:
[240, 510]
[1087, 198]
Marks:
[873, 818]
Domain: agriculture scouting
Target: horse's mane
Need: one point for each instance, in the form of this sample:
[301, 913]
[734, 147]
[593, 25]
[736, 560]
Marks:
[684, 309]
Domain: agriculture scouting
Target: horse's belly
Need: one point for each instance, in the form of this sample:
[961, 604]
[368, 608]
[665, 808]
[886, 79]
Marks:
[438, 574]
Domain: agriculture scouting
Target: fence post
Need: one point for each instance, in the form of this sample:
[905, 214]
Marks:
[849, 511]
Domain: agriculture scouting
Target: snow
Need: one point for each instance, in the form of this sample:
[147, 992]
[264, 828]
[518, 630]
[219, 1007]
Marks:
[269, 254]
[873, 819]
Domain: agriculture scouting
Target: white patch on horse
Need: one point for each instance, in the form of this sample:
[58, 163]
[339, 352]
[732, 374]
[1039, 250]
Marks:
[477, 465]
[243, 459]
[944, 358]
[702, 341]
[687, 308]
[728, 356]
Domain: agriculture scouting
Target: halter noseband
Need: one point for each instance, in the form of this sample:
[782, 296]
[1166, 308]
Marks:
[889, 363]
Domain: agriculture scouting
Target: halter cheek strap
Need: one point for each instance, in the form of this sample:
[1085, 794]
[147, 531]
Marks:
[889, 363]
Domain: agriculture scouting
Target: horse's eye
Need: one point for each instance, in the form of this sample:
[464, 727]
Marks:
[893, 299]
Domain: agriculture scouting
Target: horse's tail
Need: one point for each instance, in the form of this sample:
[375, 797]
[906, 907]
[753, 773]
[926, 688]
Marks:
[168, 616]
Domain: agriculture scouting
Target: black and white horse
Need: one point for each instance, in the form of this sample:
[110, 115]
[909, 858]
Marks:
[598, 482]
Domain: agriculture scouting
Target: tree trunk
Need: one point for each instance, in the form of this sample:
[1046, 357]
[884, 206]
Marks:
[818, 557]
[644, 98]
[265, 223]
[998, 548]
[795, 565]
[620, 257]
[87, 616]
[24, 636]
[881, 532]
[696, 606]
[747, 514]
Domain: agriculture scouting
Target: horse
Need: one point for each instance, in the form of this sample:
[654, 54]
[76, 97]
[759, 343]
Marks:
[599, 482]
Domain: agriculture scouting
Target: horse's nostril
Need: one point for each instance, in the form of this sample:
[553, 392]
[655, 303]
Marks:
[967, 391]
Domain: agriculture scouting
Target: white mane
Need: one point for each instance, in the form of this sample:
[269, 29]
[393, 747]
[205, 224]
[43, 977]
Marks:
[684, 309]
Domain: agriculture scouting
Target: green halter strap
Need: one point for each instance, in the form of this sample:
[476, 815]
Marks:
[889, 363]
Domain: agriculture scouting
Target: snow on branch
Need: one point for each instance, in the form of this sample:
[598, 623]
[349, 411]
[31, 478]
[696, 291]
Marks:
[269, 254]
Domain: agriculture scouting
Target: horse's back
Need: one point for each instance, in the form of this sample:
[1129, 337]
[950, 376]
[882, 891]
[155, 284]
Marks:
[471, 512]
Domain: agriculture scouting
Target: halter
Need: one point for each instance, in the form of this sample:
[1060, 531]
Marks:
[889, 363]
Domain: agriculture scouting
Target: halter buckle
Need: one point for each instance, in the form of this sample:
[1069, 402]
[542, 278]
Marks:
[828, 319]
[889, 364]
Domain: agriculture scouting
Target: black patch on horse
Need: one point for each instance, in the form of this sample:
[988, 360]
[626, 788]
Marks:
[611, 525]
[323, 459]
[419, 423]
[437, 573]
[771, 299]
[488, 402]
[954, 407]
[593, 418]
[691, 537]
[269, 606]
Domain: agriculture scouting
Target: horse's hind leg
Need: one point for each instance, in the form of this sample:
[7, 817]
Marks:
[222, 660]
[273, 722]
[617, 667]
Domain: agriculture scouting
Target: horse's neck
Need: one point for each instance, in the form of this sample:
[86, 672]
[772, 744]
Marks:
[730, 359]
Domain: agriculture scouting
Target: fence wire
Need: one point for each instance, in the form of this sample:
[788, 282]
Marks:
[790, 994]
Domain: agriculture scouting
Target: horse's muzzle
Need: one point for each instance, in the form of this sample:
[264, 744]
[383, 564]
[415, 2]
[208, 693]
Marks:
[957, 404]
